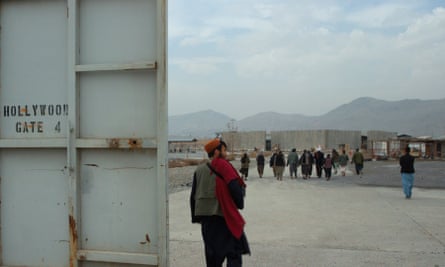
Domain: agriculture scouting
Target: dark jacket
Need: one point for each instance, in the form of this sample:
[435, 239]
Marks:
[272, 159]
[343, 160]
[319, 158]
[280, 161]
[307, 158]
[245, 161]
[407, 164]
[260, 160]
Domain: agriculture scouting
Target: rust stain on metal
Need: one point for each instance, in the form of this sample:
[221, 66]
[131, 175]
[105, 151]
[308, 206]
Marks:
[73, 241]
[113, 143]
[73, 230]
[135, 143]
[147, 240]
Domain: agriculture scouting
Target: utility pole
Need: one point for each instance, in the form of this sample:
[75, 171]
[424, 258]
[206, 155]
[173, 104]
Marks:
[231, 126]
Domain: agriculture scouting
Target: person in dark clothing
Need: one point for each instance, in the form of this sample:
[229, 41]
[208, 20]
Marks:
[306, 161]
[328, 167]
[319, 161]
[335, 157]
[260, 160]
[407, 170]
[272, 163]
[245, 161]
[280, 164]
[217, 194]
[358, 160]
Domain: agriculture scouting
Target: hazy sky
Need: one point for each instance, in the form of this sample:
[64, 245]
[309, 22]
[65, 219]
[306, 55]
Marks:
[242, 57]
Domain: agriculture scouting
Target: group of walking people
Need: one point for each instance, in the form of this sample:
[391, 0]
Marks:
[218, 193]
[333, 161]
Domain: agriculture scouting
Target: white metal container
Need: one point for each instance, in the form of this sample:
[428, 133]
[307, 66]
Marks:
[83, 133]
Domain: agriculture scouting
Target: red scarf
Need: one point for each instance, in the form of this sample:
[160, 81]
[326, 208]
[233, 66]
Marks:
[233, 218]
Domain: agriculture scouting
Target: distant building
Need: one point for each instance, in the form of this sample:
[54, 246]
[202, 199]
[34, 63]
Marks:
[180, 144]
[422, 147]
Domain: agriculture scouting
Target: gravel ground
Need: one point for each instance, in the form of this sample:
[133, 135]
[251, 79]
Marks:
[181, 178]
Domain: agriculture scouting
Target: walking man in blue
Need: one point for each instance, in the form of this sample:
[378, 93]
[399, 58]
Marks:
[407, 171]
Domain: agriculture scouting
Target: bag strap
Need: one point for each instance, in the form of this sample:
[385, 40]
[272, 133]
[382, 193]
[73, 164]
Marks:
[215, 172]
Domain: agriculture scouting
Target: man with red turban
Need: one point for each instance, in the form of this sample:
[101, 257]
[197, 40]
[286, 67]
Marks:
[216, 197]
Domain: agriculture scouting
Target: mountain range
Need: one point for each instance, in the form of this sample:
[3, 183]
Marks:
[412, 117]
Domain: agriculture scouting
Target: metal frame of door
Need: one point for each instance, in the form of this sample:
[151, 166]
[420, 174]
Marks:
[73, 143]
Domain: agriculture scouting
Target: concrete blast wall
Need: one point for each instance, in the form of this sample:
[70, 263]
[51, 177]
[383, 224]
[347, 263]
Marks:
[245, 140]
[337, 138]
[286, 140]
[308, 139]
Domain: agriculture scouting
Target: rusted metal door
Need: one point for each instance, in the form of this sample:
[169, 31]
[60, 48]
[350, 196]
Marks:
[83, 133]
